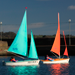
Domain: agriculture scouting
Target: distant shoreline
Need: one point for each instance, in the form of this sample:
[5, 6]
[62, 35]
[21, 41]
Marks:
[43, 50]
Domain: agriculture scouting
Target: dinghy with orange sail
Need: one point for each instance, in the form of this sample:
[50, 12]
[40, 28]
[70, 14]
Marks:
[56, 48]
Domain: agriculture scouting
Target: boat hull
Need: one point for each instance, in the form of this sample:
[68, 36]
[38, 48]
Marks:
[56, 61]
[22, 63]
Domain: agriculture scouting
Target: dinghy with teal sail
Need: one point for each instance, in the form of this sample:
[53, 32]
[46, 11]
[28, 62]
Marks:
[20, 46]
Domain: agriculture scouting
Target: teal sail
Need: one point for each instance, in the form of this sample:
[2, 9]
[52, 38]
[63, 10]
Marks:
[32, 51]
[20, 44]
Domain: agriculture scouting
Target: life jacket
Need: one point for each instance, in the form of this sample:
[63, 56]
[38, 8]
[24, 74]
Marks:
[12, 60]
[49, 58]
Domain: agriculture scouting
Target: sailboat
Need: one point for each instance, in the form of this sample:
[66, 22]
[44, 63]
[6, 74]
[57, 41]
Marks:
[56, 48]
[20, 46]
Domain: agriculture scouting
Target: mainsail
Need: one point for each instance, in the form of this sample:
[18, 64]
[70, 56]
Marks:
[19, 44]
[56, 44]
[32, 50]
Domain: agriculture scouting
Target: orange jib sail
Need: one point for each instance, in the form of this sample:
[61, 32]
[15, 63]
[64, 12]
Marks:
[56, 45]
[66, 51]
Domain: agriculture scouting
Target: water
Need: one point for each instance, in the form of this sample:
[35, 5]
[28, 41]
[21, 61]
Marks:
[41, 69]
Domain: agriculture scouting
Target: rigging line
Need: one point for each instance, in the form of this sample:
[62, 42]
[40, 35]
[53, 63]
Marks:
[54, 54]
[39, 24]
[16, 55]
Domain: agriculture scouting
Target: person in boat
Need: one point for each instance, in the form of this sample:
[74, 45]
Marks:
[13, 59]
[48, 58]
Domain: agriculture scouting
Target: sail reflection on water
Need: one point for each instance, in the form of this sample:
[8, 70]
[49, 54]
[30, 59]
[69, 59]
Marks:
[23, 70]
[58, 69]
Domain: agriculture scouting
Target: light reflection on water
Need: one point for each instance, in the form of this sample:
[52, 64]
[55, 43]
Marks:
[23, 70]
[59, 69]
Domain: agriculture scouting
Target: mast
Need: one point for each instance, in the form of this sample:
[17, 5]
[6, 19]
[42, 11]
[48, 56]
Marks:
[27, 36]
[59, 29]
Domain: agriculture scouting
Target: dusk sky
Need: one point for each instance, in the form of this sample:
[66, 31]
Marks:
[42, 15]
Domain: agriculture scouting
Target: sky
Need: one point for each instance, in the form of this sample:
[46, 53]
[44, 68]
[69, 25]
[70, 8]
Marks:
[42, 16]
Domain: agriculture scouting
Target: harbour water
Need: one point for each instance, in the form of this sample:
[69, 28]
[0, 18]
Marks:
[41, 69]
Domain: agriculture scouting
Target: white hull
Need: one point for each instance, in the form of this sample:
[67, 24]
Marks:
[22, 63]
[56, 61]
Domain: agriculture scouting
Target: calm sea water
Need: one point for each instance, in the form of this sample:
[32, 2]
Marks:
[41, 69]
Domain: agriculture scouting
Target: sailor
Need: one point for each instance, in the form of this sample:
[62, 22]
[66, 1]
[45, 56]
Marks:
[48, 58]
[13, 59]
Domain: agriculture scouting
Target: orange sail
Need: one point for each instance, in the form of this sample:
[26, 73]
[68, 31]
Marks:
[65, 52]
[56, 44]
